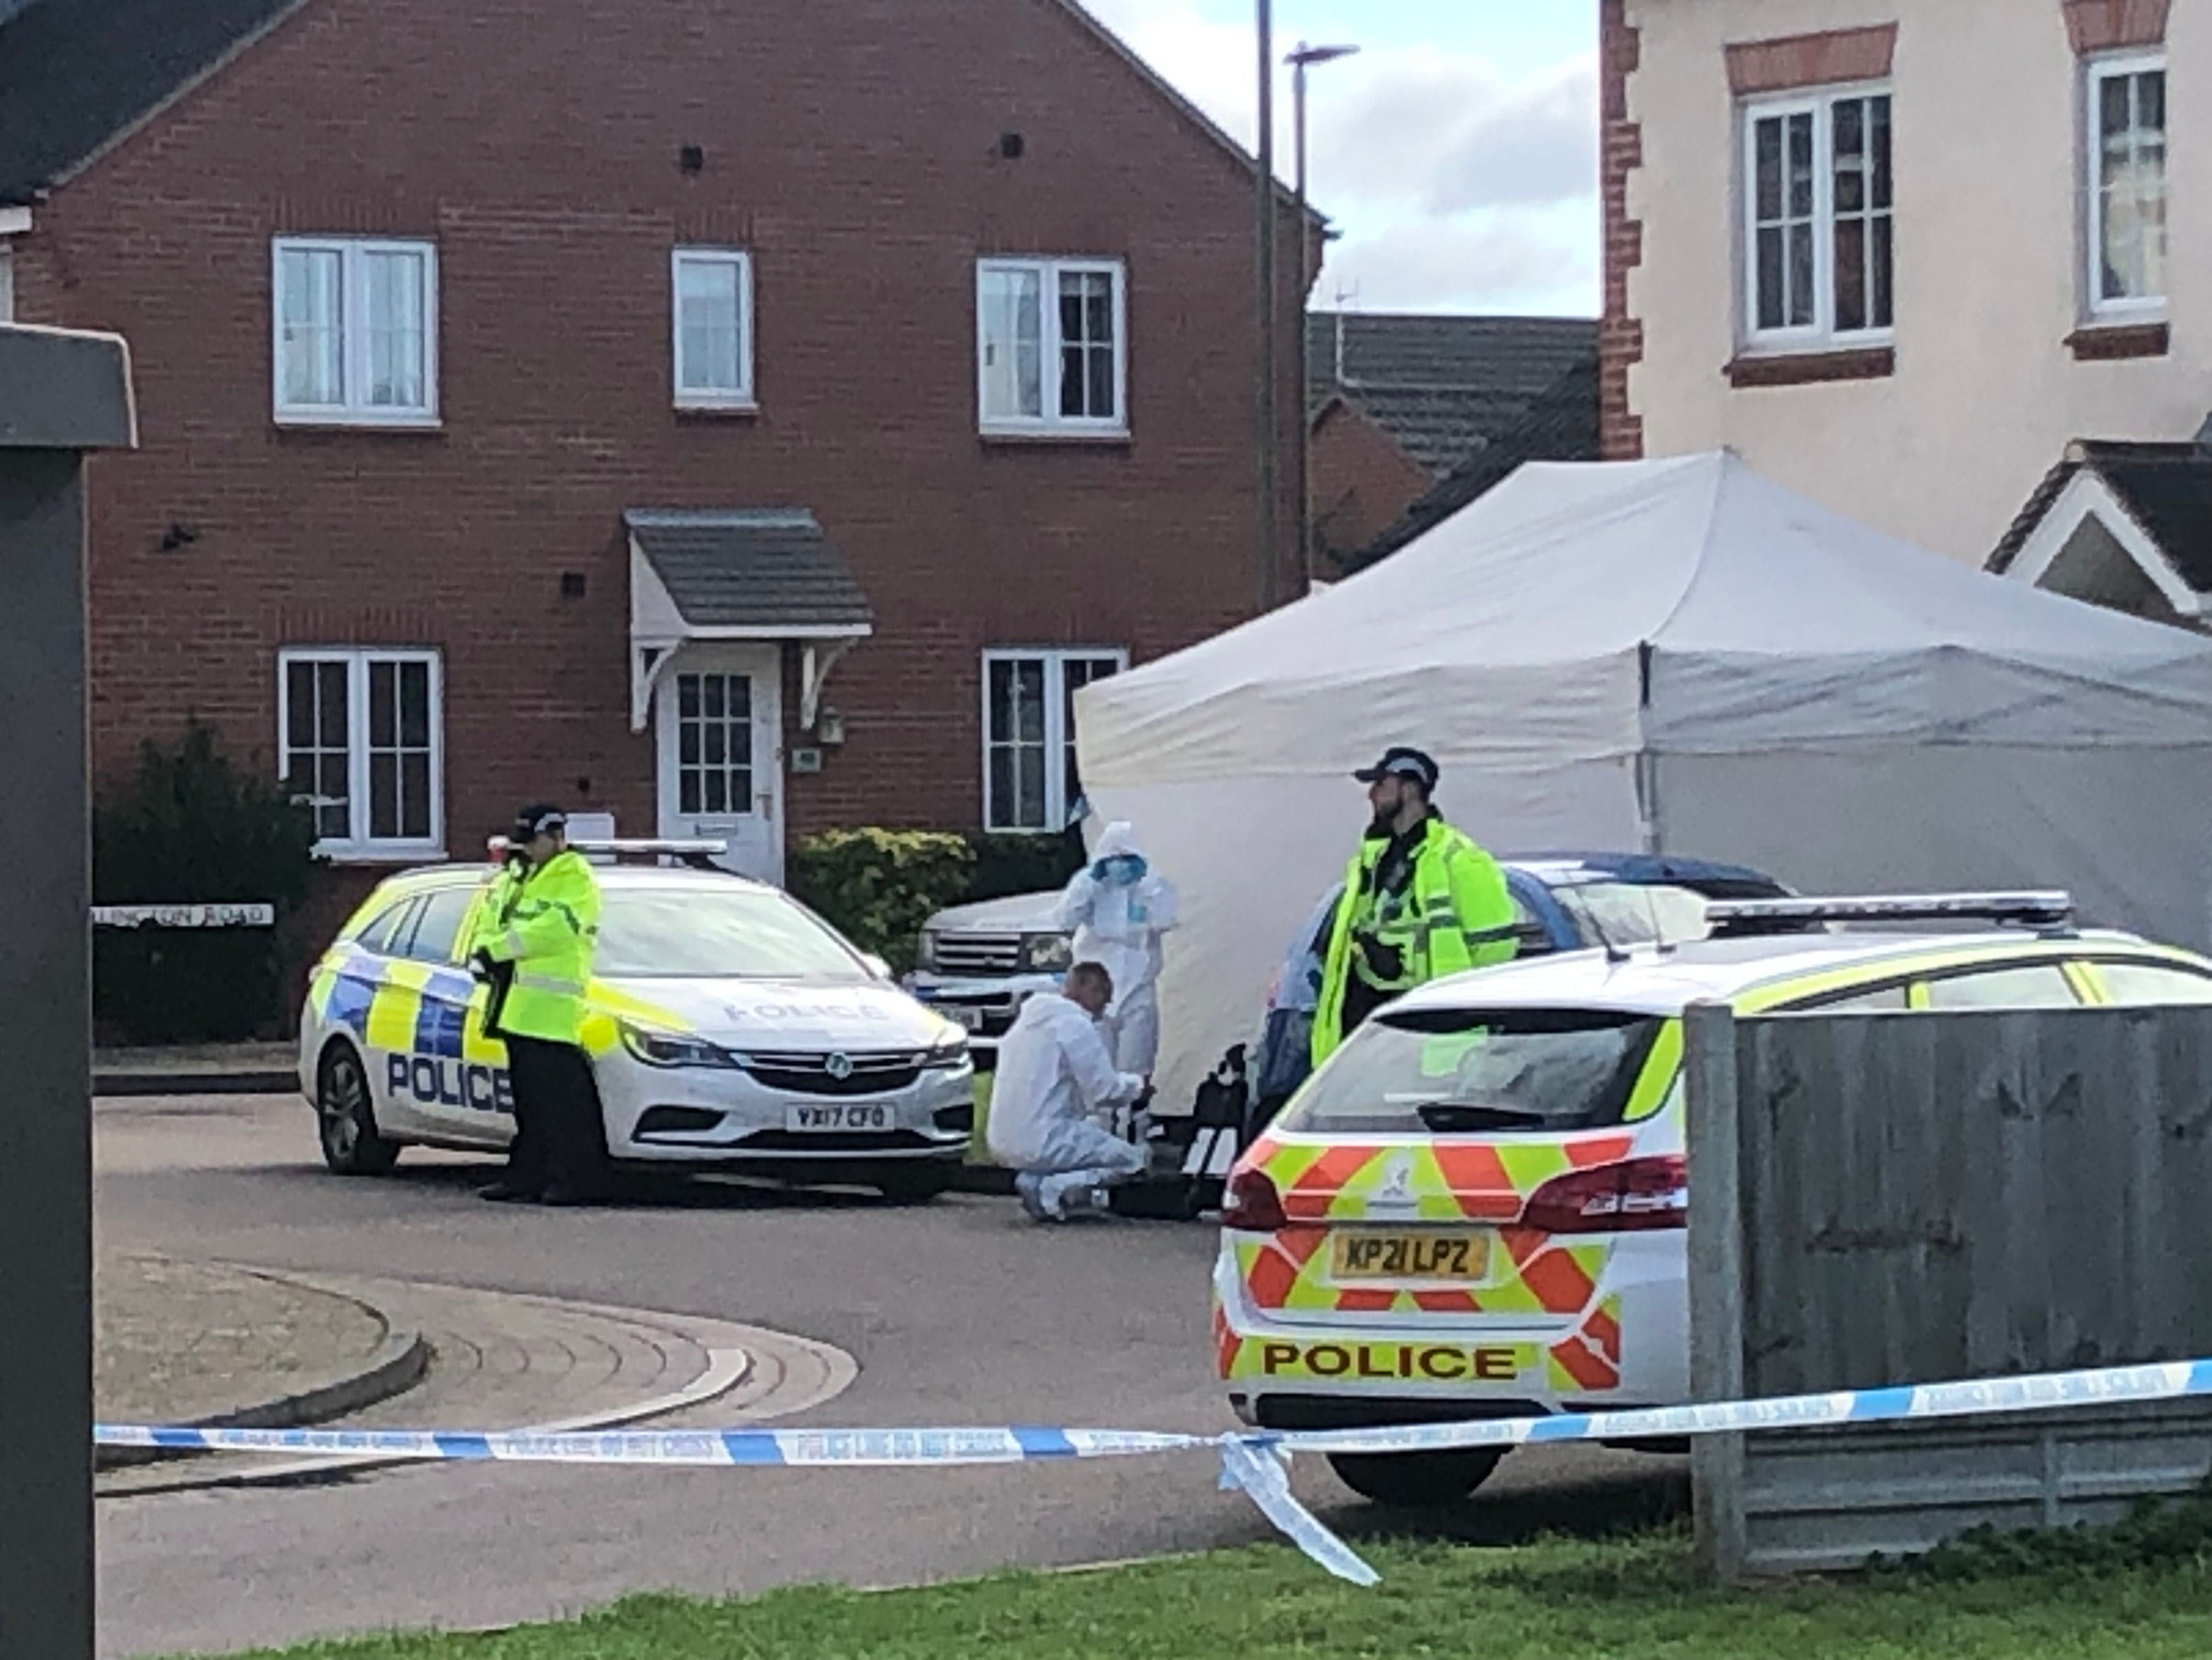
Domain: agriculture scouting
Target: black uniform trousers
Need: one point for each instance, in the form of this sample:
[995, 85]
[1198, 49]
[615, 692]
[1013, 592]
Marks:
[559, 1146]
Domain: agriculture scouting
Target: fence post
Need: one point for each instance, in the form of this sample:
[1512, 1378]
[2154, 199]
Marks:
[1716, 1336]
[60, 395]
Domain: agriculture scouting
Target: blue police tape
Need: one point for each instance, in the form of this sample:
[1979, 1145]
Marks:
[1252, 1462]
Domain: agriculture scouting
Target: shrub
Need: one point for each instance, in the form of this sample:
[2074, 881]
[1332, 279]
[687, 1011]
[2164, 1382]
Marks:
[878, 886]
[1006, 865]
[194, 828]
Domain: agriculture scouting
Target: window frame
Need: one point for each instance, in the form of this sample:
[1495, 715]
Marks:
[1821, 334]
[358, 847]
[744, 396]
[1049, 270]
[2095, 71]
[1057, 735]
[353, 334]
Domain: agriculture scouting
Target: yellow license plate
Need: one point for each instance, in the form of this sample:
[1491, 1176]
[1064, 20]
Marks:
[1410, 1255]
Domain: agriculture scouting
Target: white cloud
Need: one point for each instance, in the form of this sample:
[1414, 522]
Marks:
[1508, 262]
[1447, 176]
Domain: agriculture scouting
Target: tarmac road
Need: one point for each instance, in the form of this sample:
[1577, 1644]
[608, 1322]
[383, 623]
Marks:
[958, 1312]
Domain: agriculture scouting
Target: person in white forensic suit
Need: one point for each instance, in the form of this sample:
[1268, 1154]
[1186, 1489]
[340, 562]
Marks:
[1118, 908]
[1054, 1096]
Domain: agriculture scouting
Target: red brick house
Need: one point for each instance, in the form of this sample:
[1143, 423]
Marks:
[1400, 403]
[739, 420]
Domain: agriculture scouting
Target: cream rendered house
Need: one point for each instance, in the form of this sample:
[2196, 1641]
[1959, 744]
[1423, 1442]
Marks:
[1943, 265]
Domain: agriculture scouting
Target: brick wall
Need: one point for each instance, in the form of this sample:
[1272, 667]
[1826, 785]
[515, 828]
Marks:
[853, 145]
[1621, 334]
[1362, 481]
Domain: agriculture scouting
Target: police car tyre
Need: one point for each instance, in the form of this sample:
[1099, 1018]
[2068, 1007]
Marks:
[914, 1185]
[345, 1119]
[1416, 1481]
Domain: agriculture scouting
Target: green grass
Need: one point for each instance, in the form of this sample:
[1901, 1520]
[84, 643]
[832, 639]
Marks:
[1623, 1599]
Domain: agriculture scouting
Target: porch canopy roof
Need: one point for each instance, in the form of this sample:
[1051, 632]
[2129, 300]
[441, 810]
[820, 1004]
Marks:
[757, 574]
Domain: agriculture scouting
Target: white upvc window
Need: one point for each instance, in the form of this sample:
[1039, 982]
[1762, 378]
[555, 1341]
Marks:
[356, 331]
[2126, 188]
[1819, 242]
[713, 327]
[361, 735]
[1029, 781]
[7, 280]
[1052, 346]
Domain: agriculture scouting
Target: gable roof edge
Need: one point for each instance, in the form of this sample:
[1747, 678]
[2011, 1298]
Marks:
[191, 83]
[1284, 195]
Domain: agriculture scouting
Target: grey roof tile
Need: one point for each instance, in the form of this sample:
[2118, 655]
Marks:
[2166, 488]
[1561, 425]
[763, 569]
[75, 74]
[1440, 385]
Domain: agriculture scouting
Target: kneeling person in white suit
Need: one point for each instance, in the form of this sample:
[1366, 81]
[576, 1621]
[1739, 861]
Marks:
[1054, 1095]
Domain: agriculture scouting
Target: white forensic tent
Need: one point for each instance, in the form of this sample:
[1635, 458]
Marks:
[1677, 655]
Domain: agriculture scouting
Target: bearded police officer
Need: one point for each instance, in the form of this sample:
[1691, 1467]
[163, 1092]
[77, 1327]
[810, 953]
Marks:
[535, 939]
[1421, 901]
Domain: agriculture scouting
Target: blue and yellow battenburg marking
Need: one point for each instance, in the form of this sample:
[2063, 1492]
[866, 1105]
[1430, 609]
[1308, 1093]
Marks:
[427, 1021]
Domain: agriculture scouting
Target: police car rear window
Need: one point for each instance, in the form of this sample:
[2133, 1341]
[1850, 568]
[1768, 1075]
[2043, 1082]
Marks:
[1462, 1072]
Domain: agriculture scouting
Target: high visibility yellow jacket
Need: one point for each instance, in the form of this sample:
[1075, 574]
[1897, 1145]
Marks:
[545, 922]
[1452, 912]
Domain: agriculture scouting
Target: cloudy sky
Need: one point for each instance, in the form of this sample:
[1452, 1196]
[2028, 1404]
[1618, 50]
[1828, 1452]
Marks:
[1457, 153]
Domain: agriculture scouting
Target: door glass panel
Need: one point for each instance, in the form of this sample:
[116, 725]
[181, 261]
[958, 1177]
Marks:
[2028, 985]
[2139, 983]
[439, 927]
[714, 743]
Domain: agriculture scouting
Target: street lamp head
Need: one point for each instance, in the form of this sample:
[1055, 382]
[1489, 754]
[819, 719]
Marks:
[1305, 55]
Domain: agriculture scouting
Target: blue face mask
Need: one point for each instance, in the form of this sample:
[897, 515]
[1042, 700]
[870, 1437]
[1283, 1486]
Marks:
[1123, 870]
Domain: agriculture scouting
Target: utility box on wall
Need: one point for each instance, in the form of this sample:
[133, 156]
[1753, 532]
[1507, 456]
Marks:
[61, 395]
[1884, 1200]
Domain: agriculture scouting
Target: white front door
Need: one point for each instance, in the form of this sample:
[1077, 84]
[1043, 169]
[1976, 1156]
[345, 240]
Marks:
[721, 753]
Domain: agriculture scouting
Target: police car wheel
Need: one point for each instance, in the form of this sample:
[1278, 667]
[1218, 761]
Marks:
[918, 1185]
[1416, 1481]
[345, 1118]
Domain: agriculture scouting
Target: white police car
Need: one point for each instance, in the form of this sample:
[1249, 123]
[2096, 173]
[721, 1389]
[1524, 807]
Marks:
[729, 1028]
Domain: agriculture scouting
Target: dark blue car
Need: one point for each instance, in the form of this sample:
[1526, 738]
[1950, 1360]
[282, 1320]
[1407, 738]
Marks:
[1561, 901]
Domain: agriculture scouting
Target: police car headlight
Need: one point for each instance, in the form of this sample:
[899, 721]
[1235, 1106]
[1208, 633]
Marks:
[660, 1048]
[951, 1054]
[1047, 953]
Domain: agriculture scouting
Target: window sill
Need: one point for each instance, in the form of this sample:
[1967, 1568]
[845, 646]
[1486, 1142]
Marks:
[354, 855]
[303, 422]
[1109, 437]
[2112, 342]
[732, 409]
[1807, 368]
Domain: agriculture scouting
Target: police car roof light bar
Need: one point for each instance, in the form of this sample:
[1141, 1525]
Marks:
[699, 854]
[2047, 909]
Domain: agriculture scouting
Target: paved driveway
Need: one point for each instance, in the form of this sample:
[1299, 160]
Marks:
[956, 1313]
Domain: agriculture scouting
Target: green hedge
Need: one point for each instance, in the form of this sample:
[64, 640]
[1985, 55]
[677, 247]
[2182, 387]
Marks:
[878, 886]
[1007, 865]
[192, 828]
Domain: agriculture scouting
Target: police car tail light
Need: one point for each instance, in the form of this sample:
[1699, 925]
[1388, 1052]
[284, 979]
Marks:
[1637, 1194]
[1252, 1204]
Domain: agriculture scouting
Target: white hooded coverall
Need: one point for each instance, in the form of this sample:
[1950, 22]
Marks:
[1118, 926]
[1054, 1089]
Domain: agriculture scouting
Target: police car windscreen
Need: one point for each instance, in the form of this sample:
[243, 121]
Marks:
[736, 933]
[1463, 1072]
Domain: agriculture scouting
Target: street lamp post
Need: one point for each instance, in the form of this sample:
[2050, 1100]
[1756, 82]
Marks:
[1271, 575]
[1304, 57]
